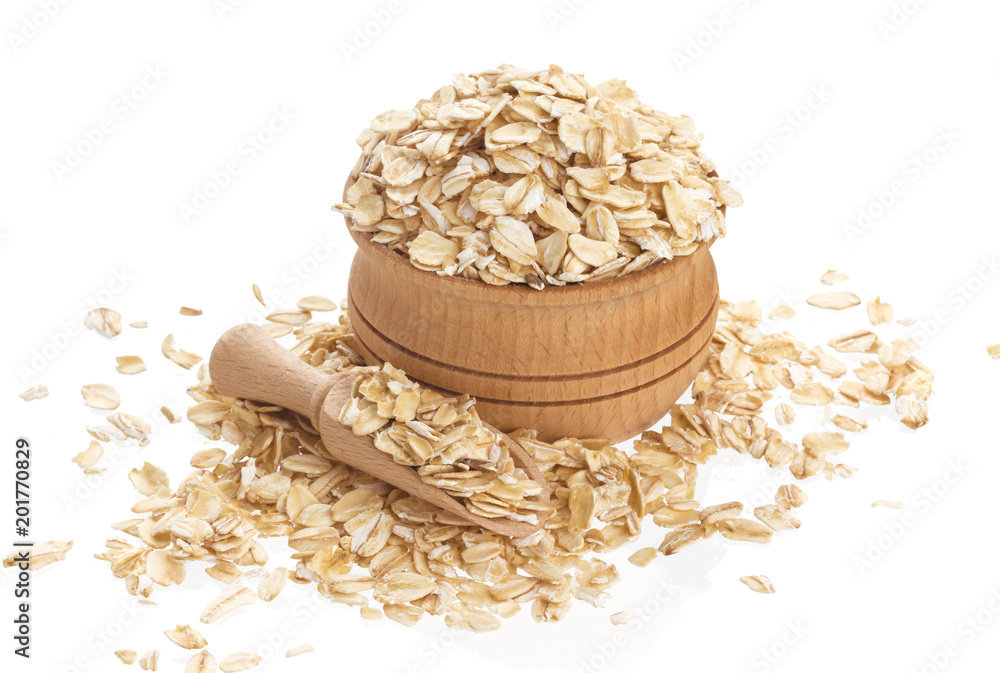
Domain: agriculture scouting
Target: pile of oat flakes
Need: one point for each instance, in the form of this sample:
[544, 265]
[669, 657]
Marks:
[352, 534]
[366, 544]
[535, 177]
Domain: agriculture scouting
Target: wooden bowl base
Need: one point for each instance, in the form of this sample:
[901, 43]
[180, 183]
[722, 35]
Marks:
[616, 416]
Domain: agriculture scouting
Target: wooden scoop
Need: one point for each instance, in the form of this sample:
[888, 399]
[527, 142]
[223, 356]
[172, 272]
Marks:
[247, 363]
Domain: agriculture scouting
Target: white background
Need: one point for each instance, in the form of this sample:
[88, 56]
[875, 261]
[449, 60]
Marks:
[867, 99]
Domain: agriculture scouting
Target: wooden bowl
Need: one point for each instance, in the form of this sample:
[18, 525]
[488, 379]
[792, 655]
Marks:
[601, 359]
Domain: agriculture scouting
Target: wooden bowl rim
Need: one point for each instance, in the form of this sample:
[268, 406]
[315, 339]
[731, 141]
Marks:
[653, 275]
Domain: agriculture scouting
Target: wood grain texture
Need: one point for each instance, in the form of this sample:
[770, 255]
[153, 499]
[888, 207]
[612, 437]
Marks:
[247, 363]
[601, 359]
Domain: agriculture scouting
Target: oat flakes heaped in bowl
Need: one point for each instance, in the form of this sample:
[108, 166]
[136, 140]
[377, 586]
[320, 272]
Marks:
[536, 177]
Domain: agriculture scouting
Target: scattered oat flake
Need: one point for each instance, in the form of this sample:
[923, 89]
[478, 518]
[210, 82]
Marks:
[169, 415]
[855, 341]
[718, 513]
[100, 396]
[834, 301]
[230, 599]
[832, 277]
[239, 661]
[403, 587]
[288, 317]
[912, 411]
[224, 571]
[907, 322]
[296, 651]
[186, 637]
[849, 422]
[127, 657]
[190, 311]
[272, 585]
[994, 351]
[149, 660]
[643, 557]
[370, 613]
[208, 412]
[34, 393]
[39, 554]
[407, 615]
[178, 356]
[891, 504]
[258, 295]
[745, 530]
[879, 313]
[105, 321]
[759, 583]
[130, 364]
[681, 537]
[129, 426]
[784, 414]
[139, 324]
[148, 479]
[782, 312]
[790, 496]
[619, 618]
[316, 303]
[811, 394]
[776, 517]
[104, 433]
[203, 662]
[844, 471]
[277, 330]
[89, 456]
[819, 444]
[164, 569]
[206, 459]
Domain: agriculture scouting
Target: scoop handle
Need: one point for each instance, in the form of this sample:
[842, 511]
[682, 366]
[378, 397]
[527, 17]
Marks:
[247, 363]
